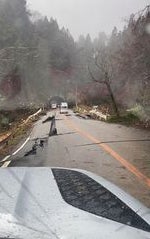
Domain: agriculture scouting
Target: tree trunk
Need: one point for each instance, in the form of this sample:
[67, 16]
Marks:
[115, 107]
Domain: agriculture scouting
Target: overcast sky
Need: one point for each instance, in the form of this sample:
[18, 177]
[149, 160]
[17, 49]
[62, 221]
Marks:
[88, 16]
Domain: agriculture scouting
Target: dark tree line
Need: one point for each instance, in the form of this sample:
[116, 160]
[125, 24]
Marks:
[39, 51]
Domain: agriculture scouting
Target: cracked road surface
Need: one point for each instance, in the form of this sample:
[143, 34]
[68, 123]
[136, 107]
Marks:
[118, 153]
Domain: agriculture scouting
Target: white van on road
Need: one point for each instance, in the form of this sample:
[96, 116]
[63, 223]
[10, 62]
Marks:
[63, 108]
[54, 106]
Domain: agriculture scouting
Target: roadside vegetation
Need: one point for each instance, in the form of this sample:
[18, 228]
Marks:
[10, 118]
[14, 126]
[105, 113]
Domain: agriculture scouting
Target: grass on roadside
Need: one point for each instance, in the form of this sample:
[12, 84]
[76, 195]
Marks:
[127, 119]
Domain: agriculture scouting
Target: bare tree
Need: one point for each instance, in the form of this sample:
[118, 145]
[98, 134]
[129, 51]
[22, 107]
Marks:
[102, 63]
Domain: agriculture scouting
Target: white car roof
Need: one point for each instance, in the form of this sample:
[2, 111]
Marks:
[33, 205]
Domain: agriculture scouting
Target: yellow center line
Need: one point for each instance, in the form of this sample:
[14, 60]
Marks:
[131, 168]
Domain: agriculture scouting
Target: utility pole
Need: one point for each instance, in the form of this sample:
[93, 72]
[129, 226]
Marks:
[76, 95]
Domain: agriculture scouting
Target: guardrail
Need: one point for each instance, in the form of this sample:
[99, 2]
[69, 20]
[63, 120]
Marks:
[5, 138]
[31, 116]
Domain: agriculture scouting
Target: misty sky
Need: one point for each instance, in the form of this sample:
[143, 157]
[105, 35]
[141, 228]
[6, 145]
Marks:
[88, 16]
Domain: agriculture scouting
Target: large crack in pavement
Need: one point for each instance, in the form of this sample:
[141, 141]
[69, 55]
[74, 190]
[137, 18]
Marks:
[38, 143]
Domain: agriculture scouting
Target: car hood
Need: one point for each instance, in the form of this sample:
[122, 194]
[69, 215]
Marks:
[32, 205]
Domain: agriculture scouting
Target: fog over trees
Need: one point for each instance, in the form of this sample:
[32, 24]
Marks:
[38, 60]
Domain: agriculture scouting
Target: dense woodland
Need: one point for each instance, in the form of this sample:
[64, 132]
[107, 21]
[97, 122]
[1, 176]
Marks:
[39, 60]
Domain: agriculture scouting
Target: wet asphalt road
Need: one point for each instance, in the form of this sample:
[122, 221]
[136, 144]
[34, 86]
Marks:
[118, 153]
